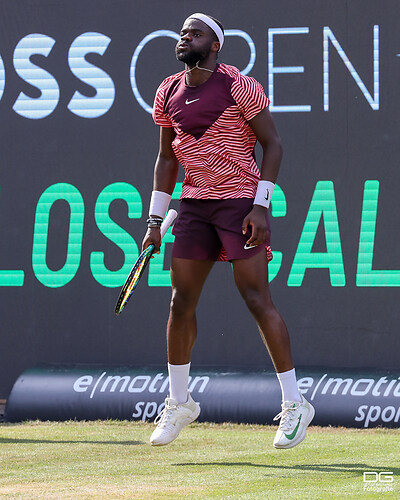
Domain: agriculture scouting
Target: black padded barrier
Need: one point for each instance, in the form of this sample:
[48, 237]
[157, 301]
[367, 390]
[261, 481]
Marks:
[88, 392]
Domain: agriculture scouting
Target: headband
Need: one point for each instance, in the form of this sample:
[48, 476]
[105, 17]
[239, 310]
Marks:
[212, 24]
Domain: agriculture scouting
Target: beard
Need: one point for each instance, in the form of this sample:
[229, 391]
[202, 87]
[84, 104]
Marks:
[191, 57]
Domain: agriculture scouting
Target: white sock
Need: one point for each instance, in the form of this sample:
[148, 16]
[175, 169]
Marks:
[178, 382]
[288, 383]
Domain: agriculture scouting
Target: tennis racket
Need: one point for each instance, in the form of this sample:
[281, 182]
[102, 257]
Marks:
[140, 265]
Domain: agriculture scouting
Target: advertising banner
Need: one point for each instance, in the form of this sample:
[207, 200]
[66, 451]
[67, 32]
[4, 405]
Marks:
[345, 397]
[78, 146]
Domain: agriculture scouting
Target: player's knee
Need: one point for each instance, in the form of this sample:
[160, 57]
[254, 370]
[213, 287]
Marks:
[182, 304]
[257, 302]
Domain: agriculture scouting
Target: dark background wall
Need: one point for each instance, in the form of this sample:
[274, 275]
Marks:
[88, 159]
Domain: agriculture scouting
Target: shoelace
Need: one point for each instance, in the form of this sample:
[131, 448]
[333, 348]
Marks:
[287, 416]
[164, 415]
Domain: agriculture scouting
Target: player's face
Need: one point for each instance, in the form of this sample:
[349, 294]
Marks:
[195, 43]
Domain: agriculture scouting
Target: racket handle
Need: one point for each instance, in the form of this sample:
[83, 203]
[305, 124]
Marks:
[168, 221]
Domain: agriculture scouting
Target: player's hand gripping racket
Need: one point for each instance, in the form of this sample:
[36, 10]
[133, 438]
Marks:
[140, 265]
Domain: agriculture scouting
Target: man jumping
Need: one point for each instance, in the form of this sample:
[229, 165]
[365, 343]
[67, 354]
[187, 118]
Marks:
[210, 118]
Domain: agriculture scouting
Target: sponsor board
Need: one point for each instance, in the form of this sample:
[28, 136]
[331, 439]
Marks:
[378, 397]
[78, 146]
[89, 392]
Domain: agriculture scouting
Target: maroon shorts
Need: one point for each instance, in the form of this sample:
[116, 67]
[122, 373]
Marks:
[212, 230]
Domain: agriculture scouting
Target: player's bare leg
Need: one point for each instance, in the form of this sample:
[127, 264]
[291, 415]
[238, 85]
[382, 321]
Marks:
[251, 277]
[187, 277]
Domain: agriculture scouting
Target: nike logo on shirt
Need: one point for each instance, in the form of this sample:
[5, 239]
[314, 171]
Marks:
[190, 102]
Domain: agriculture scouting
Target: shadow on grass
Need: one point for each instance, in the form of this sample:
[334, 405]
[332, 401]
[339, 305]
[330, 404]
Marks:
[50, 441]
[355, 469]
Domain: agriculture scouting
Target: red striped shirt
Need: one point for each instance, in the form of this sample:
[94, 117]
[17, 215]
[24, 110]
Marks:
[214, 142]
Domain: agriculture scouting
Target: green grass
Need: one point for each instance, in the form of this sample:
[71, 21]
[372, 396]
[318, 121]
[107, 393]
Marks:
[114, 460]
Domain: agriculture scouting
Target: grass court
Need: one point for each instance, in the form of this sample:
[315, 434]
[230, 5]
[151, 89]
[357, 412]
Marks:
[110, 459]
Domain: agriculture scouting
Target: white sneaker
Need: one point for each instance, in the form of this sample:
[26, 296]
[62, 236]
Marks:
[295, 418]
[173, 418]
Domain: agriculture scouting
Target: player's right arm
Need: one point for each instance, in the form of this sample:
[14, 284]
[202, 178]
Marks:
[166, 167]
[165, 175]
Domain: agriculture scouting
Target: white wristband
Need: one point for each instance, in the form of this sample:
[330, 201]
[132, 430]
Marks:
[264, 193]
[159, 203]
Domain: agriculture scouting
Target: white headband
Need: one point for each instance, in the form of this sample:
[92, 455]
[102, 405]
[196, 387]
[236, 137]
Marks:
[212, 24]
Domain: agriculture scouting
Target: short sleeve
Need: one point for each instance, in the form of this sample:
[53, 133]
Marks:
[249, 96]
[159, 116]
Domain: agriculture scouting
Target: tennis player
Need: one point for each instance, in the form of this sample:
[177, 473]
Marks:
[210, 118]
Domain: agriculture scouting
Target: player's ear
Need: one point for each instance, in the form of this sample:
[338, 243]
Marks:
[215, 47]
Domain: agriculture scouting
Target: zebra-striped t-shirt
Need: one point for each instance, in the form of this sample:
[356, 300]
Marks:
[214, 142]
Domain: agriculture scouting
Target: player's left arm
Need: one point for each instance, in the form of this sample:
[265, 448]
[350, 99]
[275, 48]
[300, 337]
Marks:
[265, 131]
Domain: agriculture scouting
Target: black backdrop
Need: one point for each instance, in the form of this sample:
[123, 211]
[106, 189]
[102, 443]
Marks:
[66, 158]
